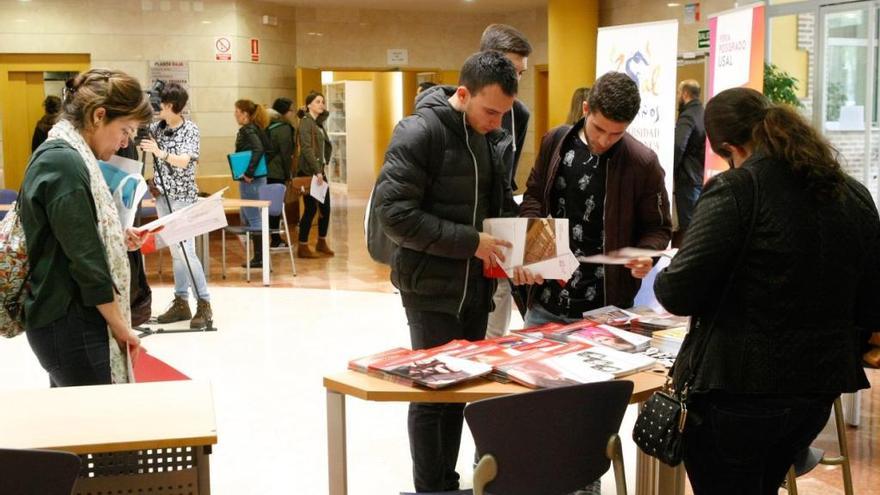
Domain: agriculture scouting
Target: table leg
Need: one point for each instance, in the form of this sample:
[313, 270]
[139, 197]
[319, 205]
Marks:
[264, 218]
[336, 444]
[202, 459]
[656, 478]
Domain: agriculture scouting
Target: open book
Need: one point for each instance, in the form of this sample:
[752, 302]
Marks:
[201, 217]
[539, 244]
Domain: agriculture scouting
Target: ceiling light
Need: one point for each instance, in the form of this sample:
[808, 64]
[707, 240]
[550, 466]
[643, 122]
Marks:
[673, 4]
[206, 22]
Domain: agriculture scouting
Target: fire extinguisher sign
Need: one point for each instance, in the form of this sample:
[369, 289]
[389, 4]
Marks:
[255, 50]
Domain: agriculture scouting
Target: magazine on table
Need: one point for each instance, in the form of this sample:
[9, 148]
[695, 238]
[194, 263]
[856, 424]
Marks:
[538, 369]
[610, 315]
[669, 340]
[608, 336]
[617, 363]
[439, 370]
[539, 244]
[362, 364]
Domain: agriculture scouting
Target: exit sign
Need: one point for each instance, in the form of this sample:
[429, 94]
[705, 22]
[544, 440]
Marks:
[703, 38]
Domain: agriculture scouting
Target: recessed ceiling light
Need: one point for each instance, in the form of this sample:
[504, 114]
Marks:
[206, 22]
[673, 4]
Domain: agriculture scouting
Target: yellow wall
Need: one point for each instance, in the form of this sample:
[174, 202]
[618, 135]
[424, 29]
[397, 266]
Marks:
[21, 95]
[307, 80]
[410, 85]
[784, 51]
[572, 27]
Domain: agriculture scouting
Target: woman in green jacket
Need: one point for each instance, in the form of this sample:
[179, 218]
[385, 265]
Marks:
[315, 152]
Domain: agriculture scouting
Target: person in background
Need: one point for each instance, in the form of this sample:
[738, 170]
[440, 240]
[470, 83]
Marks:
[782, 314]
[76, 308]
[578, 98]
[424, 85]
[282, 137]
[251, 136]
[514, 45]
[690, 155]
[610, 187]
[433, 208]
[52, 108]
[315, 152]
[176, 152]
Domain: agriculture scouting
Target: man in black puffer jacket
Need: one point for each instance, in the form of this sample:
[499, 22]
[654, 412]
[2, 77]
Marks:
[444, 173]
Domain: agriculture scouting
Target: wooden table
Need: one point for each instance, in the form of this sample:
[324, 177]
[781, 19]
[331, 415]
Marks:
[234, 203]
[140, 437]
[651, 478]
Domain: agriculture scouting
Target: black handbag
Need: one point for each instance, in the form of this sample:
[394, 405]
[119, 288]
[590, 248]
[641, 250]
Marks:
[659, 428]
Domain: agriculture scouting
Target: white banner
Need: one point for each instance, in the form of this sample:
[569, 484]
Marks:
[647, 53]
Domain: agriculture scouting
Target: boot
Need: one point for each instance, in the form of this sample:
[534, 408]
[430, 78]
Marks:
[179, 311]
[323, 248]
[257, 260]
[303, 251]
[204, 316]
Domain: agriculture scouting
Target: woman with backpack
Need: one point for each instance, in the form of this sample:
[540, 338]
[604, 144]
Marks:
[77, 310]
[315, 152]
[281, 136]
[251, 136]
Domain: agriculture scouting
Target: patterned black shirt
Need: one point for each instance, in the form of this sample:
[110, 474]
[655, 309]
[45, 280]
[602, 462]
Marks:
[179, 183]
[579, 195]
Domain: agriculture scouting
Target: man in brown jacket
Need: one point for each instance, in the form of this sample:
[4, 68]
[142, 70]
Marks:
[611, 188]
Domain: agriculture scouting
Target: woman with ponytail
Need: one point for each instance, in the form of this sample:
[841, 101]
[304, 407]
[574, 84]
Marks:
[779, 272]
[315, 152]
[252, 137]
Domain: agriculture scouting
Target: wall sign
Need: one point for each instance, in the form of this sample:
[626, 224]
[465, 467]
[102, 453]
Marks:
[223, 48]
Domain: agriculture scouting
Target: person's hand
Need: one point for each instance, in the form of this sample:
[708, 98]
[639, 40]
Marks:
[135, 238]
[247, 179]
[151, 147]
[127, 337]
[640, 267]
[320, 177]
[524, 276]
[489, 249]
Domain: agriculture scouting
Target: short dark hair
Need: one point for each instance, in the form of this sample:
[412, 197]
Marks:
[615, 96]
[52, 104]
[505, 39]
[176, 95]
[426, 85]
[487, 68]
[282, 105]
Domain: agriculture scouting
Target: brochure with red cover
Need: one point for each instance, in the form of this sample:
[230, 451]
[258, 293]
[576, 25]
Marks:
[148, 368]
[439, 370]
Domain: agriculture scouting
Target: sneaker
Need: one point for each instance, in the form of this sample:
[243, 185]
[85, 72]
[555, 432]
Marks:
[179, 311]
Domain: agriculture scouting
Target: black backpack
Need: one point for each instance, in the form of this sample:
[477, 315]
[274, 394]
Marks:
[379, 245]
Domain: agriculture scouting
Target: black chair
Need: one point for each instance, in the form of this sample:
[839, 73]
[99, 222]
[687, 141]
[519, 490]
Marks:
[549, 442]
[38, 472]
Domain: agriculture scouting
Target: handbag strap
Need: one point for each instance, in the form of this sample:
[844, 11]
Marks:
[703, 343]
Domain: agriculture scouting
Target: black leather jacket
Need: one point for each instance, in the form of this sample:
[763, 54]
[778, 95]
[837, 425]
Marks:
[807, 289]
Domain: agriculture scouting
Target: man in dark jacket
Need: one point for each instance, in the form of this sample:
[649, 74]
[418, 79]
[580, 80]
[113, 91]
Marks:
[444, 173]
[514, 45]
[610, 187]
[690, 154]
[282, 136]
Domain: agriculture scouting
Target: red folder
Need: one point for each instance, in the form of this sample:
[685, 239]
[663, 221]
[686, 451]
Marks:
[148, 368]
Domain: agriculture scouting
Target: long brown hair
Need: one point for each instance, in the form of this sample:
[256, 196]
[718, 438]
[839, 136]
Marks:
[118, 93]
[576, 112]
[745, 117]
[256, 113]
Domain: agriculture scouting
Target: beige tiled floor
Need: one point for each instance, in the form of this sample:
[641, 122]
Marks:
[274, 345]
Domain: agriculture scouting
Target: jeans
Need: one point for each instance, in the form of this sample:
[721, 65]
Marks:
[538, 315]
[74, 349]
[183, 281]
[744, 444]
[251, 216]
[685, 201]
[499, 319]
[435, 428]
[305, 223]
[275, 220]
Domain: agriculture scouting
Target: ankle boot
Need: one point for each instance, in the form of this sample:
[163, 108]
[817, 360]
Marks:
[179, 311]
[204, 316]
[303, 251]
[323, 248]
[257, 260]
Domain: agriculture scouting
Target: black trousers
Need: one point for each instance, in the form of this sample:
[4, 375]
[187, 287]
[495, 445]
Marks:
[435, 429]
[311, 207]
[275, 220]
[744, 444]
[74, 349]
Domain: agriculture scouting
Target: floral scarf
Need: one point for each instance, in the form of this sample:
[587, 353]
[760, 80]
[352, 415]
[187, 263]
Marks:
[111, 233]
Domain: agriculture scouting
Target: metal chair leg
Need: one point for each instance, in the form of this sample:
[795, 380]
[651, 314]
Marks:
[287, 238]
[615, 454]
[223, 251]
[247, 256]
[791, 482]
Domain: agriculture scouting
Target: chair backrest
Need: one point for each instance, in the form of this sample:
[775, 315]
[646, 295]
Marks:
[549, 441]
[274, 194]
[46, 472]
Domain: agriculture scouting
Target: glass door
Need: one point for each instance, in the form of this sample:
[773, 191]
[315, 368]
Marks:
[847, 87]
